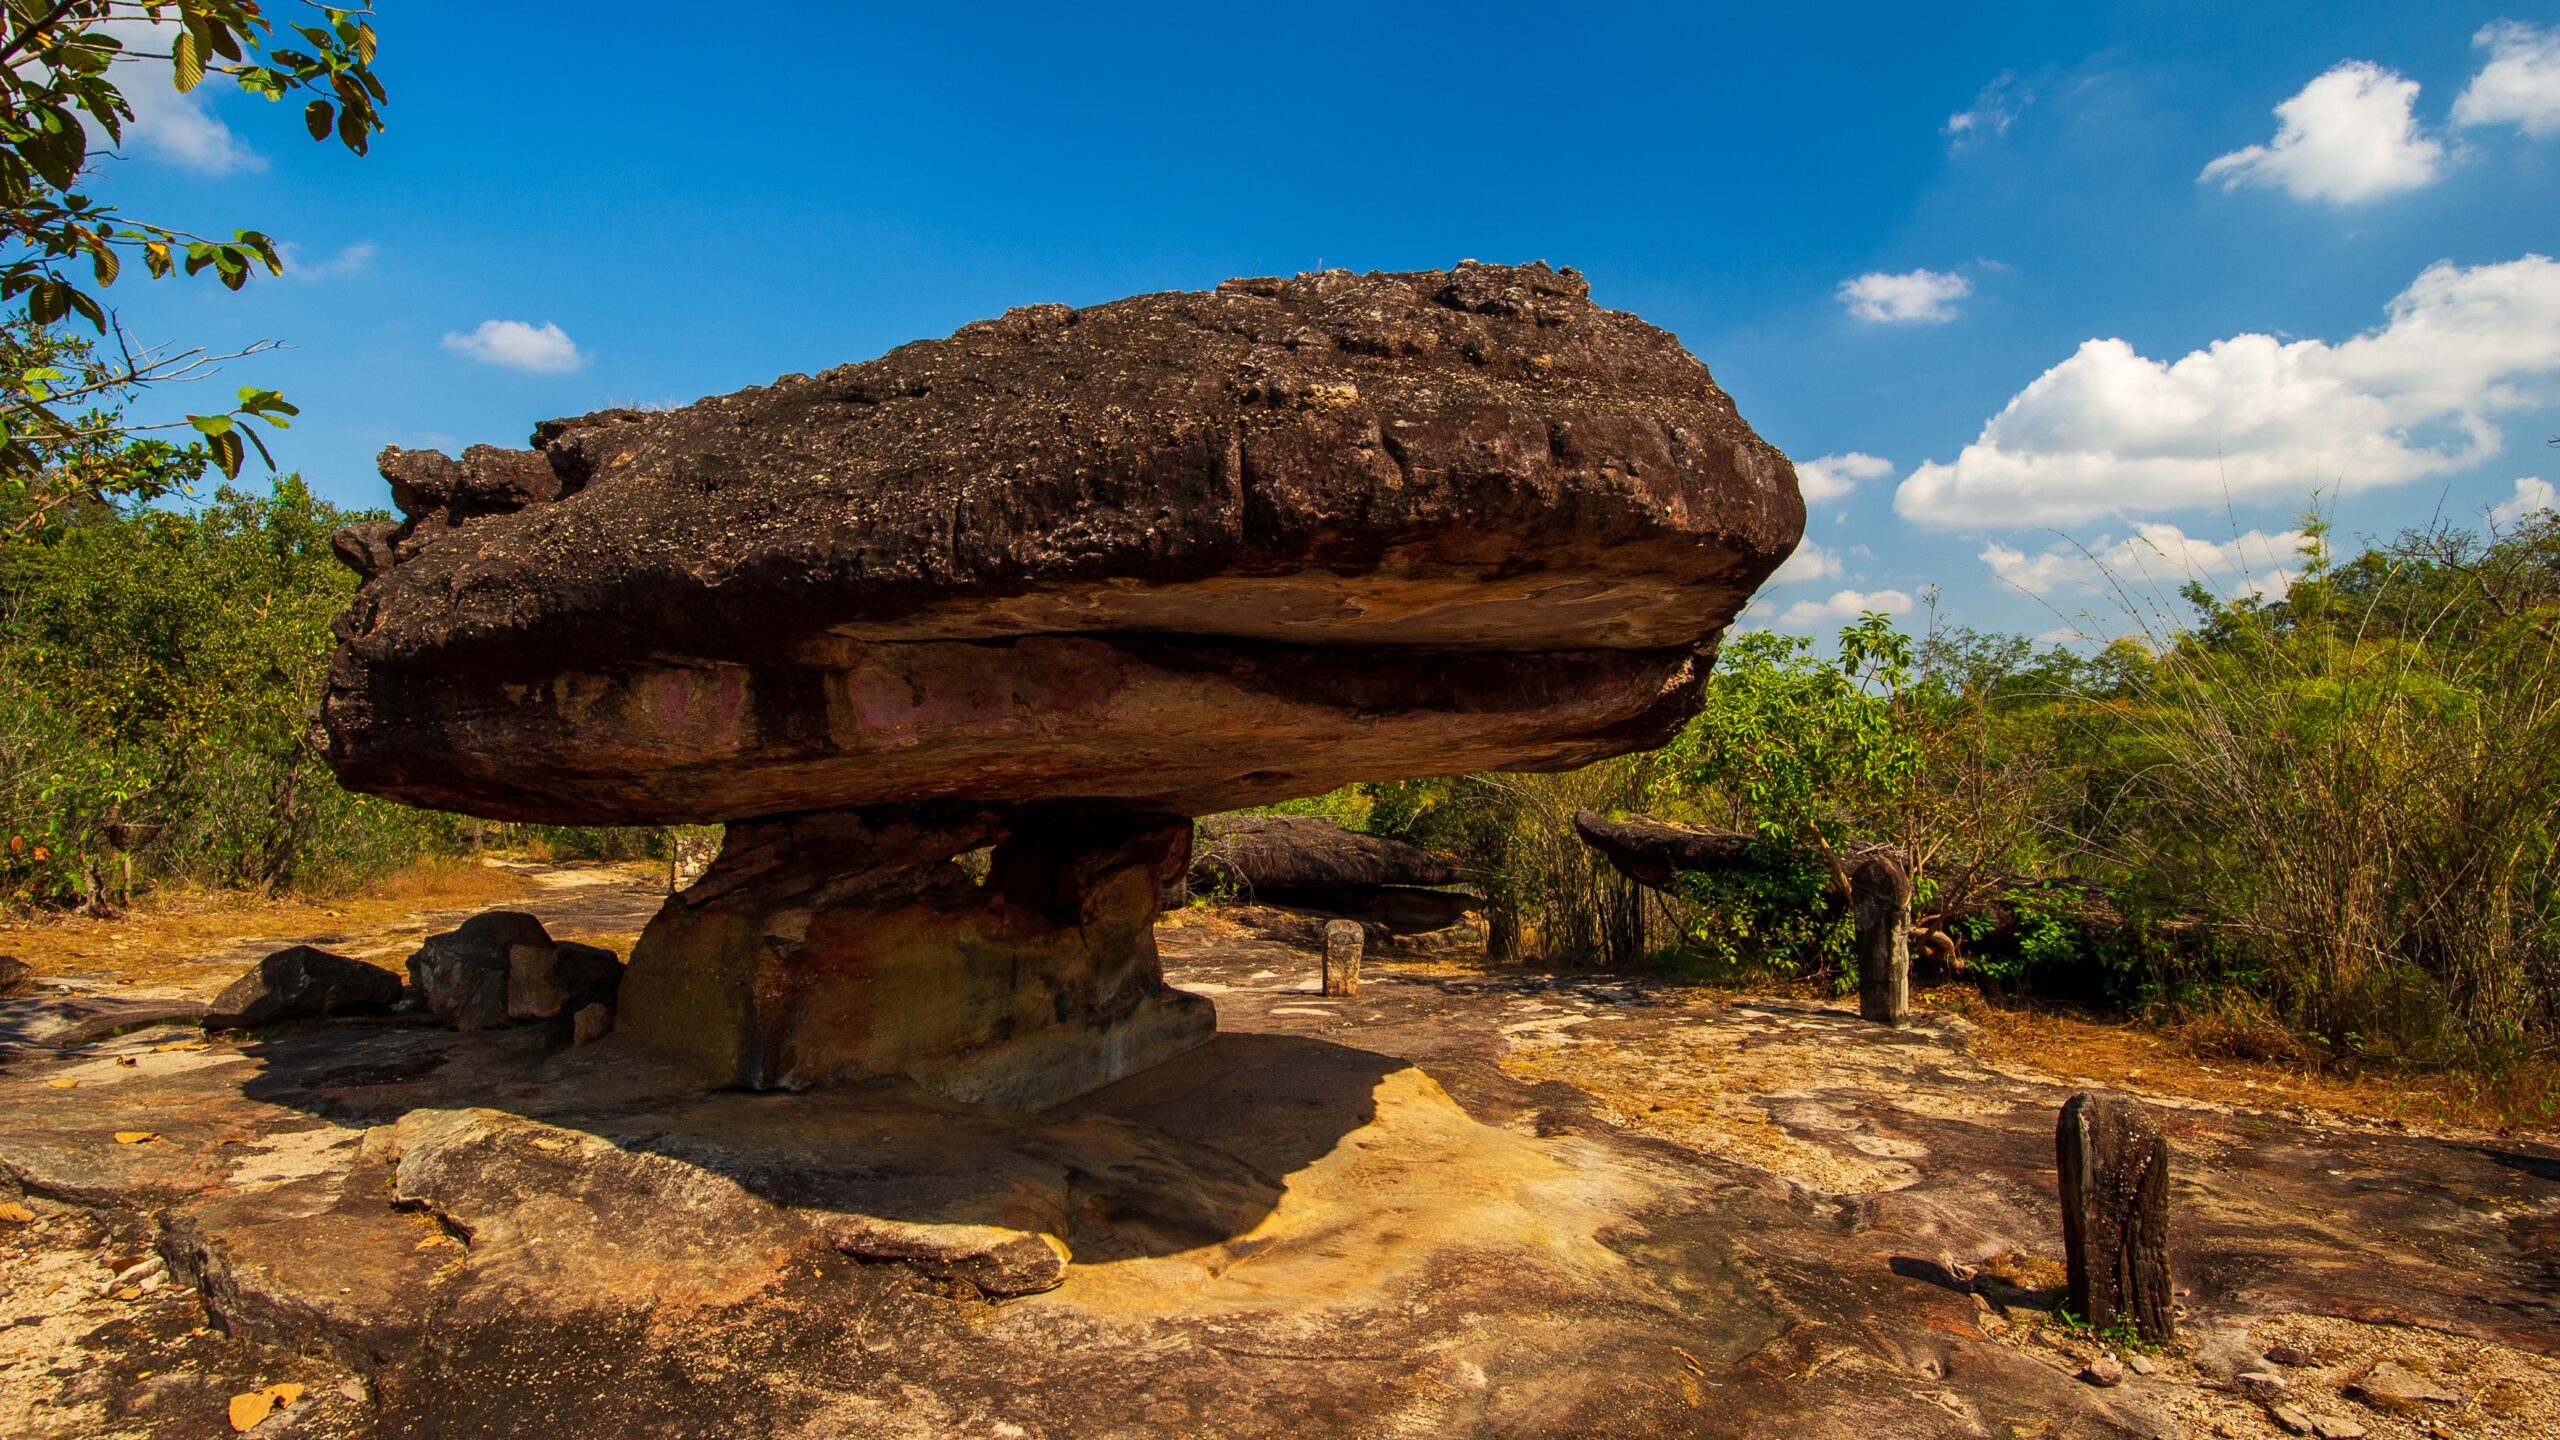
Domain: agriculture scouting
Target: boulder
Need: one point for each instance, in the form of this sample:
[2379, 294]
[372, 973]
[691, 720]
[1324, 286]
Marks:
[502, 966]
[1250, 853]
[1191, 551]
[1032, 986]
[1298, 862]
[17, 977]
[301, 982]
[1653, 852]
[1050, 585]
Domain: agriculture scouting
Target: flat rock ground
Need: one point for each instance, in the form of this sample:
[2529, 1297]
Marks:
[1467, 1202]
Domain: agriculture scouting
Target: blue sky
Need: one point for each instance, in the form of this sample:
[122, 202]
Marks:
[587, 205]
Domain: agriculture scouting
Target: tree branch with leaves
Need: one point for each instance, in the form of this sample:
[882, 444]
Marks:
[61, 64]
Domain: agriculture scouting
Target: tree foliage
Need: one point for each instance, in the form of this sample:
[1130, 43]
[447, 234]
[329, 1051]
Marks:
[63, 67]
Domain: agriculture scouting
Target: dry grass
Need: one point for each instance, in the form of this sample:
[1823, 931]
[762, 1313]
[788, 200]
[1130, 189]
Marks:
[186, 942]
[2227, 1060]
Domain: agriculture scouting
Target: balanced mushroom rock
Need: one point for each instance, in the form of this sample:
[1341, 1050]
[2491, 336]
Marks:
[1303, 863]
[1052, 584]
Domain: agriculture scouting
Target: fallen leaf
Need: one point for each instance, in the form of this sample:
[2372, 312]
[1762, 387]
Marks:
[17, 1214]
[247, 1410]
[250, 1410]
[127, 1060]
[129, 1293]
[177, 1045]
[63, 1082]
[135, 1137]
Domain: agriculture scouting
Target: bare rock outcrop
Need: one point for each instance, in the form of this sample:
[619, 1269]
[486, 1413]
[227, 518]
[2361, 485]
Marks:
[1158, 558]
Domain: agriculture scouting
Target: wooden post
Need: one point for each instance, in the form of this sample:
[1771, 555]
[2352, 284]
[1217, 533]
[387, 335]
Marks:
[2115, 1213]
[1880, 907]
[1343, 941]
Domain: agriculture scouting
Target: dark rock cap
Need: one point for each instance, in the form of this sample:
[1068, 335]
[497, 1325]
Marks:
[1188, 550]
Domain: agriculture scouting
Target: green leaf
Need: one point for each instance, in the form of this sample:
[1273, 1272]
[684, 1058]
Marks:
[49, 301]
[316, 117]
[212, 424]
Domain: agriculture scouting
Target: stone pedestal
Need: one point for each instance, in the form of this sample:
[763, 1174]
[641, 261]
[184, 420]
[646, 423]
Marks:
[1343, 942]
[1880, 908]
[2115, 1214]
[851, 944]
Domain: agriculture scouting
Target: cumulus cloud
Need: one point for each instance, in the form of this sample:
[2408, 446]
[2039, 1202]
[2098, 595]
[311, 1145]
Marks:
[1830, 477]
[353, 259]
[1810, 562]
[2252, 417]
[2350, 136]
[2520, 85]
[2532, 493]
[543, 349]
[1844, 606]
[2154, 555]
[179, 129]
[1990, 115]
[1915, 297]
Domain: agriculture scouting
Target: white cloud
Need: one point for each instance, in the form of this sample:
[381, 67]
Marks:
[2251, 417]
[2347, 138]
[353, 259]
[2532, 493]
[1829, 477]
[1991, 114]
[2520, 85]
[544, 349]
[1915, 297]
[180, 129]
[2155, 554]
[1845, 605]
[1810, 562]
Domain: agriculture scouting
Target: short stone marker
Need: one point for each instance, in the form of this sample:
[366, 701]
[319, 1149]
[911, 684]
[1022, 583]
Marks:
[1880, 906]
[2115, 1213]
[1343, 942]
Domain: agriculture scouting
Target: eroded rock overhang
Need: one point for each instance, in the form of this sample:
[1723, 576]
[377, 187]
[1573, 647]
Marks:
[1184, 551]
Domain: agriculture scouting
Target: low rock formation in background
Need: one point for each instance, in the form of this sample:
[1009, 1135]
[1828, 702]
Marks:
[1153, 559]
[1299, 862]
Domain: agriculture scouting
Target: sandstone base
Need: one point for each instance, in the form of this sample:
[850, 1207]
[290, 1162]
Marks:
[859, 943]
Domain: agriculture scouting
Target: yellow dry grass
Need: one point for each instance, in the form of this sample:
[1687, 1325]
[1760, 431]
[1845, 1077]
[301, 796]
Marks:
[186, 941]
[2197, 1062]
